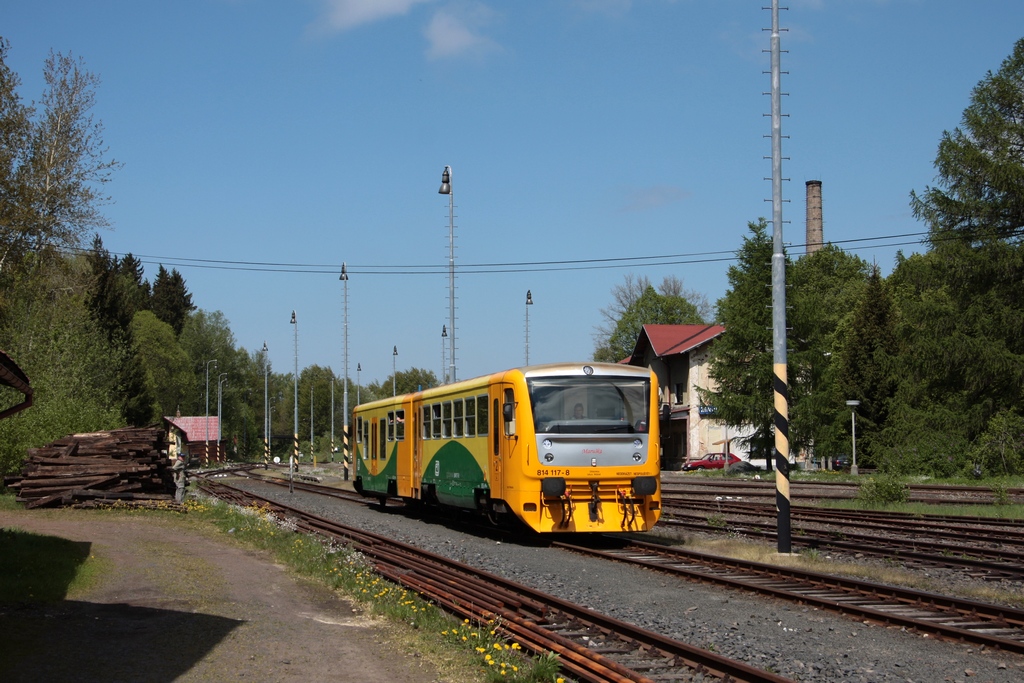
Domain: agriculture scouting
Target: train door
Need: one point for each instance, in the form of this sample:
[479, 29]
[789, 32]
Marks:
[373, 447]
[506, 449]
[382, 448]
[414, 432]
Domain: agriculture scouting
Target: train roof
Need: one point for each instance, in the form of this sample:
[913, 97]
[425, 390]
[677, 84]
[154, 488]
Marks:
[530, 371]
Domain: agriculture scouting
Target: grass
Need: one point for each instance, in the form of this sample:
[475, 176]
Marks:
[46, 568]
[455, 648]
[38, 568]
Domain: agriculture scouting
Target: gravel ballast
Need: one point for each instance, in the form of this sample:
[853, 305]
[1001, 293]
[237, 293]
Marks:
[799, 642]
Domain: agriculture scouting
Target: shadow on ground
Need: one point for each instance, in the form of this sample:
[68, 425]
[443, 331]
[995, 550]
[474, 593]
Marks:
[83, 641]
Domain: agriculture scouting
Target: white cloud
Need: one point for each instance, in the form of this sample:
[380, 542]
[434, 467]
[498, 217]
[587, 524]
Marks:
[456, 31]
[342, 15]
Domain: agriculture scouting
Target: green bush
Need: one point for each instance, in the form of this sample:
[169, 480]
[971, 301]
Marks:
[999, 451]
[883, 489]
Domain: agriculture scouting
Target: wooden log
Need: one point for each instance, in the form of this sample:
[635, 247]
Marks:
[41, 502]
[62, 482]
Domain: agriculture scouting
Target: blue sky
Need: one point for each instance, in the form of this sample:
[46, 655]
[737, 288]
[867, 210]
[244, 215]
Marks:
[312, 132]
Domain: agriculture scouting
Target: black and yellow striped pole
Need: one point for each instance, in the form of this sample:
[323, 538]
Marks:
[345, 451]
[344, 408]
[293, 463]
[780, 390]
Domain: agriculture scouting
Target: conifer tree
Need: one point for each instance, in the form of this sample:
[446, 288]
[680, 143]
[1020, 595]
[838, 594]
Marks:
[866, 368]
[962, 304]
[741, 359]
[171, 300]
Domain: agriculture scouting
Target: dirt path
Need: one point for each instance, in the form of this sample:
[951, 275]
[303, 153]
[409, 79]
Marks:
[178, 605]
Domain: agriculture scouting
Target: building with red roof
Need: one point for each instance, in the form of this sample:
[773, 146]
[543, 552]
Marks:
[197, 438]
[679, 355]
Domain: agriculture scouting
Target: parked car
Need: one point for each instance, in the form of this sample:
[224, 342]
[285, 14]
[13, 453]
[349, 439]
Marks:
[711, 461]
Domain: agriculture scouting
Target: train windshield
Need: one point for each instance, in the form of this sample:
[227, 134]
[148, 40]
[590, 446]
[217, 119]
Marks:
[589, 405]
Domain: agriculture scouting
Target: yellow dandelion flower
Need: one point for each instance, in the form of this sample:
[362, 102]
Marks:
[480, 650]
[497, 646]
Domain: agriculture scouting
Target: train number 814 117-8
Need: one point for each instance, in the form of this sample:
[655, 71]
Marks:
[552, 473]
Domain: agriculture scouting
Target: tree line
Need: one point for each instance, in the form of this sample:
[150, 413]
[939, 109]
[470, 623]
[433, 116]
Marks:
[934, 352]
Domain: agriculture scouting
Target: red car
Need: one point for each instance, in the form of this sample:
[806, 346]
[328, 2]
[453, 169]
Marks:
[711, 461]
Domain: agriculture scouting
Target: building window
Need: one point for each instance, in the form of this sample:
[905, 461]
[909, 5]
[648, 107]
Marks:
[681, 396]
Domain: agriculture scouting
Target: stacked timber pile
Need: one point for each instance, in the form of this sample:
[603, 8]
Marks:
[126, 466]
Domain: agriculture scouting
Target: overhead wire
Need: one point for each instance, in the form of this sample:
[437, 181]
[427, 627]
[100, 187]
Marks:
[495, 267]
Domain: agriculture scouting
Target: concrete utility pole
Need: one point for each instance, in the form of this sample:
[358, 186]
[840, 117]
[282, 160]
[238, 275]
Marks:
[781, 390]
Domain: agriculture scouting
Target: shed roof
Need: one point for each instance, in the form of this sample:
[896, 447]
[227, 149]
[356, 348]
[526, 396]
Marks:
[195, 428]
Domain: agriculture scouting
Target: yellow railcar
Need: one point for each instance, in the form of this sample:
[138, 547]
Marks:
[562, 447]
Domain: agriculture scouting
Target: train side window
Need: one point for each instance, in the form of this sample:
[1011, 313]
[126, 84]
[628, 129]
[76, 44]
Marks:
[446, 420]
[425, 427]
[481, 415]
[359, 429]
[436, 421]
[399, 425]
[471, 416]
[510, 419]
[457, 418]
[391, 425]
[383, 443]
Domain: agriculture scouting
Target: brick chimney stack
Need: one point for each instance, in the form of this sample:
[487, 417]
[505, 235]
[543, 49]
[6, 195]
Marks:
[815, 231]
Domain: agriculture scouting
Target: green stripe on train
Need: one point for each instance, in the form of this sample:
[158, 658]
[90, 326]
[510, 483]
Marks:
[378, 483]
[455, 474]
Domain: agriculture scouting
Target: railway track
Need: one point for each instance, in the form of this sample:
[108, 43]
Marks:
[828, 490]
[917, 611]
[591, 646]
[990, 554]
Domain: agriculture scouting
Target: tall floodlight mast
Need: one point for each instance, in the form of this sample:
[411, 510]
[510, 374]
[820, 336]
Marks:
[781, 390]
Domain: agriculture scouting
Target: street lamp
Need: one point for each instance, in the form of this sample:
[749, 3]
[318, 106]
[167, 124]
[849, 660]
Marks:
[446, 188]
[529, 302]
[359, 371]
[266, 408]
[206, 444]
[444, 339]
[853, 433]
[344, 408]
[295, 433]
[394, 371]
[220, 432]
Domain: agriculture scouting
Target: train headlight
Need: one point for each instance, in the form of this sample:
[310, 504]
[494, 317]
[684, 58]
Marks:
[548, 457]
[637, 457]
[546, 443]
[638, 443]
